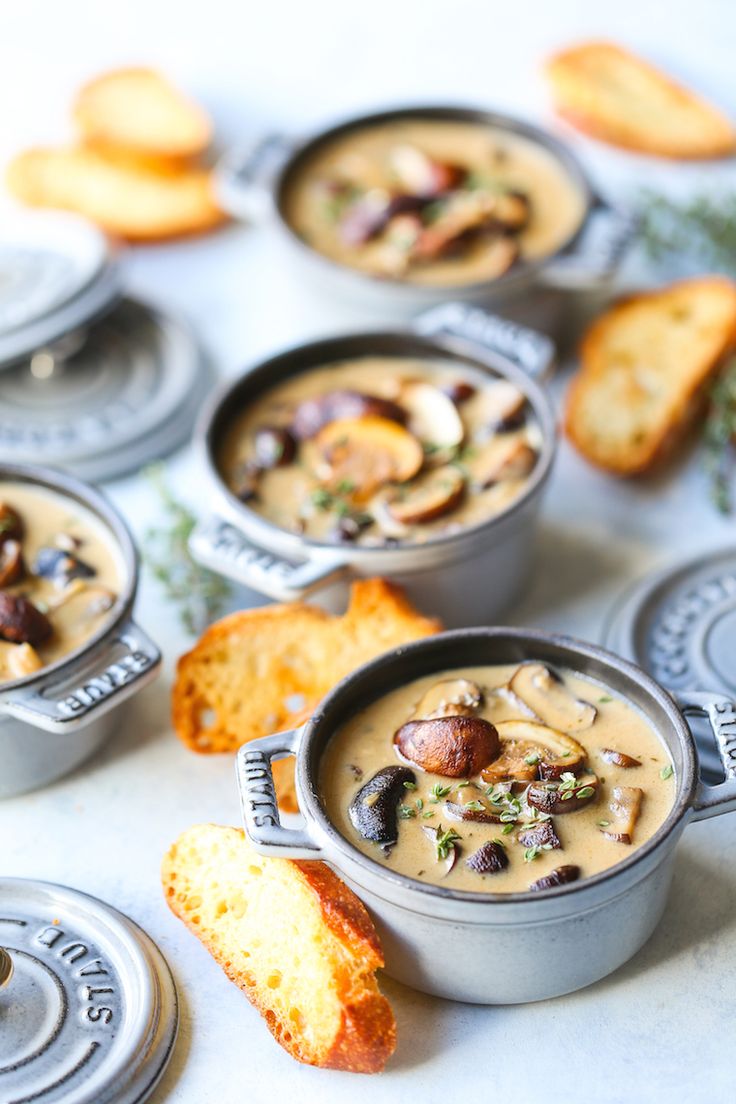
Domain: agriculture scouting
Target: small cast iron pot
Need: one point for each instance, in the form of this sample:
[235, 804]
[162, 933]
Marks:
[54, 719]
[483, 947]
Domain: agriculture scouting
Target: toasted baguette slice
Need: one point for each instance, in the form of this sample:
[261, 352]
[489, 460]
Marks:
[139, 110]
[266, 669]
[294, 938]
[616, 96]
[125, 196]
[644, 364]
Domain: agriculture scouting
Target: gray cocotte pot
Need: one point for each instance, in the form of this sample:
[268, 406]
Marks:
[513, 947]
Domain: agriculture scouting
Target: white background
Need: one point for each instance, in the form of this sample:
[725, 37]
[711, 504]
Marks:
[658, 1029]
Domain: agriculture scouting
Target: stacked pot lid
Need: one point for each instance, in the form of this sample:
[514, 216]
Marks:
[89, 381]
[680, 625]
[88, 1007]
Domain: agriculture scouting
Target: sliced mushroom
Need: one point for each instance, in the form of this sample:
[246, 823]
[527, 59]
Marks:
[446, 844]
[619, 758]
[21, 622]
[366, 453]
[81, 609]
[11, 523]
[502, 460]
[625, 806]
[433, 417]
[456, 747]
[490, 858]
[512, 210]
[505, 706]
[566, 796]
[11, 562]
[373, 810]
[432, 495]
[365, 217]
[422, 175]
[273, 446]
[458, 391]
[457, 811]
[18, 660]
[539, 835]
[60, 566]
[245, 481]
[450, 698]
[528, 745]
[379, 507]
[499, 254]
[312, 414]
[561, 875]
[545, 692]
[499, 406]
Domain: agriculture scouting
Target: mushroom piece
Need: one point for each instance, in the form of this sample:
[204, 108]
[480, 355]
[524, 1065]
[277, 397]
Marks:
[539, 835]
[441, 239]
[450, 698]
[82, 608]
[312, 414]
[422, 175]
[501, 405]
[18, 660]
[505, 706]
[511, 210]
[545, 692]
[625, 806]
[365, 453]
[373, 810]
[566, 796]
[432, 416]
[528, 747]
[458, 391]
[561, 875]
[503, 459]
[21, 622]
[445, 841]
[365, 217]
[60, 566]
[11, 524]
[245, 481]
[490, 858]
[273, 446]
[430, 497]
[484, 815]
[455, 747]
[619, 758]
[11, 562]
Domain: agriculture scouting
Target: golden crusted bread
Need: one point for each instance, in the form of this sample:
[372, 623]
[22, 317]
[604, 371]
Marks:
[138, 109]
[294, 938]
[265, 670]
[644, 365]
[611, 94]
[140, 199]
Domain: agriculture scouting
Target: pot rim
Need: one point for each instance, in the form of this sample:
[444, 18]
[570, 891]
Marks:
[518, 274]
[437, 647]
[68, 486]
[324, 351]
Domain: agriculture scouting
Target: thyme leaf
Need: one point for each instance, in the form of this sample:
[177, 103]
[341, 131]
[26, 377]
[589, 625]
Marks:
[719, 434]
[702, 228]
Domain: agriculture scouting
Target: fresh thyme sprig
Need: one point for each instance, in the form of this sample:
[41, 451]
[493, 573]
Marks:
[702, 228]
[198, 593]
[719, 434]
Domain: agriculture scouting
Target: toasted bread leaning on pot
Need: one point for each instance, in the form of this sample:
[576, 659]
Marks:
[294, 938]
[265, 670]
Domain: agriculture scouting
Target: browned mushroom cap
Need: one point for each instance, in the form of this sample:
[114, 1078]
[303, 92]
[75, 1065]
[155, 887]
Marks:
[449, 698]
[456, 747]
[619, 758]
[566, 796]
[432, 416]
[365, 453]
[273, 446]
[545, 692]
[625, 806]
[432, 495]
[312, 414]
[421, 175]
[21, 622]
[539, 835]
[503, 459]
[11, 562]
[561, 875]
[526, 746]
[11, 523]
[491, 858]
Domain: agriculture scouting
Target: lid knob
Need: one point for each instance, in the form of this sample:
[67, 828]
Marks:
[6, 968]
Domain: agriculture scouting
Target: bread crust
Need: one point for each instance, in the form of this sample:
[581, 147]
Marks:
[366, 1034]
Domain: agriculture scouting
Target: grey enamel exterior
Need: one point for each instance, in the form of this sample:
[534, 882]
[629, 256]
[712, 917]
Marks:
[495, 948]
[53, 720]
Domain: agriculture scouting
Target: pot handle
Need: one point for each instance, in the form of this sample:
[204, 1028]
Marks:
[597, 253]
[222, 547]
[63, 700]
[721, 713]
[245, 176]
[527, 349]
[258, 802]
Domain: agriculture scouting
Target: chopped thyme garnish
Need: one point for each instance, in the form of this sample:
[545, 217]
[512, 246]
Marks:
[532, 853]
[428, 814]
[419, 804]
[507, 829]
[475, 806]
[532, 758]
[603, 823]
[666, 772]
[605, 698]
[439, 791]
[322, 499]
[445, 841]
[410, 785]
[586, 791]
[406, 812]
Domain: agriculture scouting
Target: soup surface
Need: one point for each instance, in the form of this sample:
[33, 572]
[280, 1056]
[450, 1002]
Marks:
[60, 575]
[498, 779]
[433, 201]
[382, 450]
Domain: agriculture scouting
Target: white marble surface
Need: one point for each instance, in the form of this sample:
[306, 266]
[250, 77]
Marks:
[658, 1029]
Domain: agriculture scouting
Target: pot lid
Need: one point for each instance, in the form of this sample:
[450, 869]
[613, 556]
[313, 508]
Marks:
[679, 624]
[57, 272]
[108, 399]
[88, 1011]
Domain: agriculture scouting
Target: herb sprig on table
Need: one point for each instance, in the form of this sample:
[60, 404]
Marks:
[198, 593]
[719, 435]
[701, 228]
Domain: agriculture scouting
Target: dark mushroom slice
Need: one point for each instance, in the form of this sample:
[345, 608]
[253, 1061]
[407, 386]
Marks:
[455, 747]
[545, 692]
[21, 622]
[469, 805]
[458, 391]
[619, 758]
[273, 446]
[490, 858]
[365, 217]
[429, 497]
[432, 416]
[528, 745]
[245, 481]
[60, 566]
[348, 528]
[561, 875]
[373, 810]
[312, 414]
[566, 796]
[539, 835]
[11, 563]
[625, 806]
[367, 453]
[450, 698]
[11, 524]
[421, 175]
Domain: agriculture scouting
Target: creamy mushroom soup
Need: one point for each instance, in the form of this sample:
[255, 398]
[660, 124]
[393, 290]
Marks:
[498, 779]
[382, 450]
[433, 201]
[60, 575]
